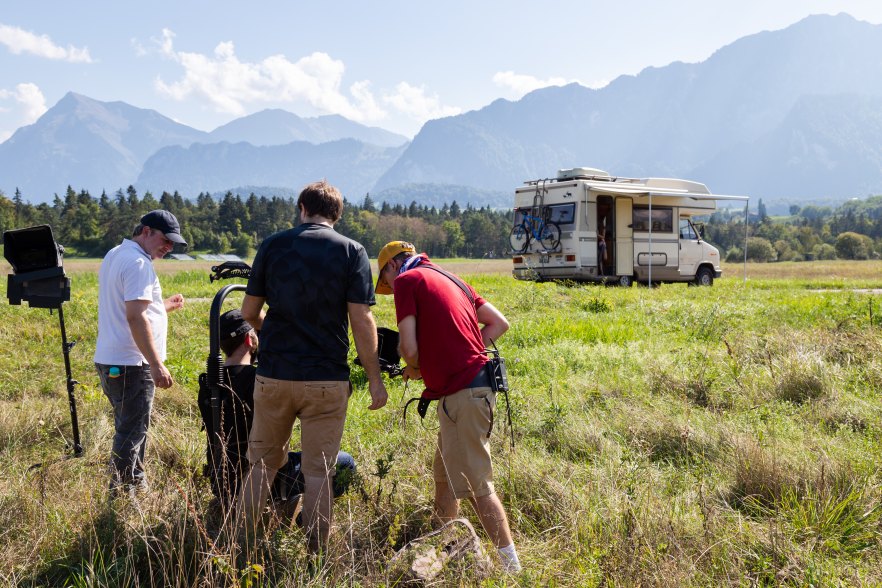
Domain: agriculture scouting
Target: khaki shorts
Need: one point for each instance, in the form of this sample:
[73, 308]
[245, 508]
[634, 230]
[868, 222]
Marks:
[462, 459]
[321, 408]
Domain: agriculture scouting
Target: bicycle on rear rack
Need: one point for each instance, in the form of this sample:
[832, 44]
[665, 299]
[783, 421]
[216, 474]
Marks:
[534, 228]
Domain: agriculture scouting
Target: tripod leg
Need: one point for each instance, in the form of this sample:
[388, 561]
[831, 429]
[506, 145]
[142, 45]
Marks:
[71, 400]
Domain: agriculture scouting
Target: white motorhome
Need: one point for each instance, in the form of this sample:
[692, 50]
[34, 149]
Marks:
[585, 225]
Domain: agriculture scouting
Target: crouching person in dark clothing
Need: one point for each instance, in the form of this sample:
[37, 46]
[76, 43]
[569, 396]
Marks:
[238, 341]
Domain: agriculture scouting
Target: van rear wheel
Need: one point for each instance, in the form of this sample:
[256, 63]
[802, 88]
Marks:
[626, 281]
[704, 277]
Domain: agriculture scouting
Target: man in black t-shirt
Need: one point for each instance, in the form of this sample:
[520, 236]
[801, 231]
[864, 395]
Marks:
[315, 283]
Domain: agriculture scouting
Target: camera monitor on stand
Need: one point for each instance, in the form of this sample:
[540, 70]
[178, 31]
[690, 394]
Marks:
[38, 278]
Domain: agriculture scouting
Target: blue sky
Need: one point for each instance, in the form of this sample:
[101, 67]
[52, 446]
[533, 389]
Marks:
[392, 64]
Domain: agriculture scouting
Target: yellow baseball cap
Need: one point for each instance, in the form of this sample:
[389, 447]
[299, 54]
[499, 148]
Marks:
[390, 250]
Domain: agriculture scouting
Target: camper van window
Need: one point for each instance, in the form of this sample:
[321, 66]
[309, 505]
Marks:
[662, 219]
[563, 214]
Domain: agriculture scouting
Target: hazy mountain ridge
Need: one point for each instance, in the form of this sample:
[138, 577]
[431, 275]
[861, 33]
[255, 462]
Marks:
[438, 195]
[85, 143]
[826, 144]
[782, 115]
[94, 145]
[351, 165]
[279, 127]
[669, 121]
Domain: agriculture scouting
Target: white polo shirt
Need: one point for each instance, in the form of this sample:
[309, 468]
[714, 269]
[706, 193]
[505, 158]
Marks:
[127, 274]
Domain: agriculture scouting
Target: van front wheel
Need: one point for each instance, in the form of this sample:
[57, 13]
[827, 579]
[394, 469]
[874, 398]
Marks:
[626, 281]
[704, 277]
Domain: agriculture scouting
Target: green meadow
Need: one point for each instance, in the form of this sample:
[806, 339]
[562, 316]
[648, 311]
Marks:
[673, 436]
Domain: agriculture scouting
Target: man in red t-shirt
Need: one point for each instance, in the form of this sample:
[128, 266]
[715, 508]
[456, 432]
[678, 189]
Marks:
[442, 342]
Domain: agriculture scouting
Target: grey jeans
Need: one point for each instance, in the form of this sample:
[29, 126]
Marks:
[130, 389]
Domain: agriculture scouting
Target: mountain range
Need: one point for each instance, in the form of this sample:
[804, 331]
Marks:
[793, 115]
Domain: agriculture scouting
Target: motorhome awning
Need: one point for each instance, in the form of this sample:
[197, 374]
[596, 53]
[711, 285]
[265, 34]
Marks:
[642, 191]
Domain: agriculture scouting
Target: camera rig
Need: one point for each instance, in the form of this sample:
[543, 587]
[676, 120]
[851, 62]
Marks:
[387, 352]
[38, 278]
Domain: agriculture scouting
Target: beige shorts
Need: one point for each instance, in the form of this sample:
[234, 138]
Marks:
[463, 455]
[321, 408]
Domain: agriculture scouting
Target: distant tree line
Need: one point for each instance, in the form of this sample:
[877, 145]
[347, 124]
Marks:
[850, 231]
[87, 226]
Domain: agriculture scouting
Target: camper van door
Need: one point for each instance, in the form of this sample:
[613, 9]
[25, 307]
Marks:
[624, 237]
[690, 248]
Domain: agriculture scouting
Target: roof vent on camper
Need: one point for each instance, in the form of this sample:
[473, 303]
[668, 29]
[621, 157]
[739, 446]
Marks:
[581, 172]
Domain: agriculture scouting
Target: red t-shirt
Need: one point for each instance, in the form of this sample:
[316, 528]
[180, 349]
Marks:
[448, 335]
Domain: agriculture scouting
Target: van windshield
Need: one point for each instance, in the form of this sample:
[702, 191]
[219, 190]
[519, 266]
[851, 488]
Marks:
[687, 231]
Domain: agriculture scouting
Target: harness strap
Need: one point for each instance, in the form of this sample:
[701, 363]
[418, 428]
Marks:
[422, 408]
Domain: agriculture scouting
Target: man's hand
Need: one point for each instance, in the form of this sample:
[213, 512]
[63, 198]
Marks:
[174, 302]
[411, 373]
[161, 376]
[379, 396]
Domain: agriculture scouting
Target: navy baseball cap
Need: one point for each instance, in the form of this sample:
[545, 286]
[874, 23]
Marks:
[232, 324]
[164, 221]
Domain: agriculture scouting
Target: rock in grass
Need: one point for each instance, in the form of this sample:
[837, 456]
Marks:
[425, 558]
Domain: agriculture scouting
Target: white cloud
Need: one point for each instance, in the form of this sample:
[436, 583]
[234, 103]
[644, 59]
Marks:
[415, 103]
[20, 41]
[520, 84]
[31, 105]
[32, 101]
[229, 84]
[140, 50]
[166, 44]
[365, 100]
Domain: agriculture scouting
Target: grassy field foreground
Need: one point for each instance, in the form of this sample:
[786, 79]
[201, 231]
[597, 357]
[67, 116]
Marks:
[674, 436]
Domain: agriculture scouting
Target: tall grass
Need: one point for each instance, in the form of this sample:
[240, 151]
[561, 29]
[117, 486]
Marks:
[668, 436]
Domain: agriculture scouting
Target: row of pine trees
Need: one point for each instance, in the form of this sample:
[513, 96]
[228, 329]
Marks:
[89, 226]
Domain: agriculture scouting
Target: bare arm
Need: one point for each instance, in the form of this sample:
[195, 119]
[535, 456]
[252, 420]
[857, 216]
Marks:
[252, 310]
[407, 341]
[408, 349]
[364, 331]
[495, 324]
[136, 316]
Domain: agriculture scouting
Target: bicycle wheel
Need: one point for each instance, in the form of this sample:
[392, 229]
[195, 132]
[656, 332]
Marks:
[519, 238]
[549, 236]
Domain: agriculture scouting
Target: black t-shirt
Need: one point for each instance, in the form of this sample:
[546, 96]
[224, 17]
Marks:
[308, 275]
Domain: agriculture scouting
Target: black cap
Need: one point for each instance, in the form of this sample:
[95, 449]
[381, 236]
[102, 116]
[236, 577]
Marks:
[232, 324]
[164, 221]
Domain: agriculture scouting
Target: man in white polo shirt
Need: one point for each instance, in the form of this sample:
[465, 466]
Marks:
[130, 352]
